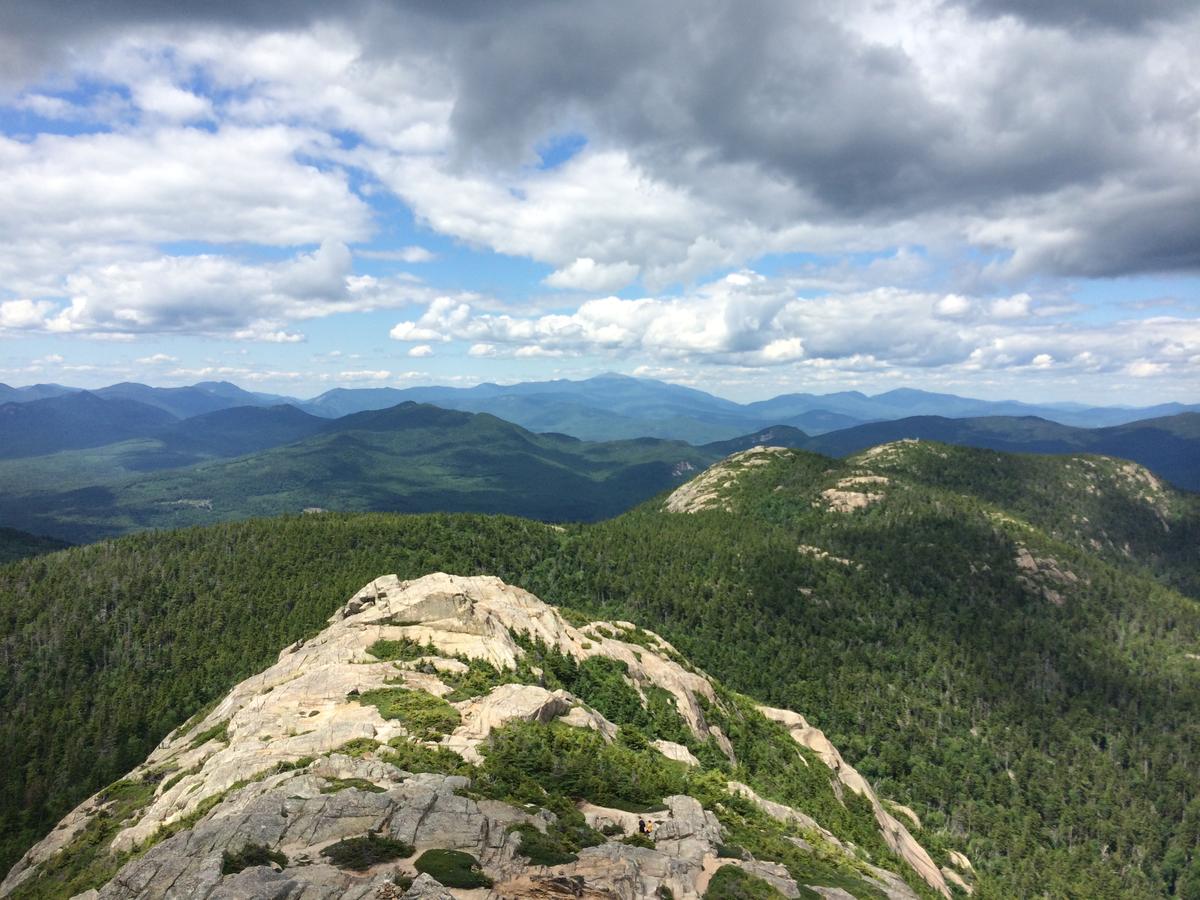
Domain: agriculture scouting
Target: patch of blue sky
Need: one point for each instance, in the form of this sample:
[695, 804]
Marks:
[1142, 296]
[456, 266]
[240, 250]
[463, 268]
[557, 149]
[347, 140]
[85, 106]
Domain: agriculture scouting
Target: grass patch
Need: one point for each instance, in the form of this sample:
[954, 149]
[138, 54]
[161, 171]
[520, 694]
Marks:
[361, 853]
[453, 868]
[219, 732]
[179, 776]
[425, 716]
[249, 856]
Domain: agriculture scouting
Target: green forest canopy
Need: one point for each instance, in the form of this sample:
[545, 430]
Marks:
[1058, 741]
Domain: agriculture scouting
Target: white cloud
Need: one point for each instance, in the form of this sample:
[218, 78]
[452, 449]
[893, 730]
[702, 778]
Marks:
[585, 274]
[24, 313]
[1015, 307]
[157, 359]
[323, 77]
[750, 321]
[365, 375]
[535, 351]
[211, 295]
[411, 331]
[1144, 368]
[171, 102]
[421, 350]
[953, 306]
[174, 184]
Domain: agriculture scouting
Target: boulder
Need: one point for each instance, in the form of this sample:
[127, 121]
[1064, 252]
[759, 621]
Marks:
[426, 887]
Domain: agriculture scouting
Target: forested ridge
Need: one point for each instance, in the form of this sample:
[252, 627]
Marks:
[1049, 722]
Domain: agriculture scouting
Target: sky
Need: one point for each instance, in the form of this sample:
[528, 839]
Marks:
[997, 198]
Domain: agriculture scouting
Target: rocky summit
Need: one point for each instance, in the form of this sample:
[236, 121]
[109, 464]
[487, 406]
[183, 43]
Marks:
[458, 737]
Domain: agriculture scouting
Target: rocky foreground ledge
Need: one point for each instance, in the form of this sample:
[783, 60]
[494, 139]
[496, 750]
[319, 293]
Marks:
[255, 798]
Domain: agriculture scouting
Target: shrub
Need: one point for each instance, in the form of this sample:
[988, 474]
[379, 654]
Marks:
[249, 856]
[452, 868]
[403, 649]
[612, 828]
[638, 840]
[410, 756]
[730, 851]
[542, 849]
[219, 732]
[358, 747]
[363, 852]
[425, 716]
[481, 677]
[731, 883]
[525, 762]
[302, 762]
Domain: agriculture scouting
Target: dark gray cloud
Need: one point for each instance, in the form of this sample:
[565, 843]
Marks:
[34, 36]
[703, 93]
[1118, 14]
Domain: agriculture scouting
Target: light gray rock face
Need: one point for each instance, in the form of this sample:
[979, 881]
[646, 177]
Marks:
[689, 832]
[269, 766]
[426, 887]
[897, 837]
[296, 818]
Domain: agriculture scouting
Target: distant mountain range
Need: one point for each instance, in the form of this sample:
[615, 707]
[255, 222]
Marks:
[1168, 446]
[88, 464]
[250, 461]
[614, 407]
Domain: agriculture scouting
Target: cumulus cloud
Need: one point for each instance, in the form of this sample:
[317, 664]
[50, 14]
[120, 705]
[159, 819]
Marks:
[748, 320]
[585, 274]
[211, 295]
[24, 313]
[234, 184]
[173, 103]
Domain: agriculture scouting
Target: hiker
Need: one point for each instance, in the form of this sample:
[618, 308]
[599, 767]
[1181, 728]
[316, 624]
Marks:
[641, 826]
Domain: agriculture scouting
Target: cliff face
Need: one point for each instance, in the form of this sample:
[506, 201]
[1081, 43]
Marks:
[272, 793]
